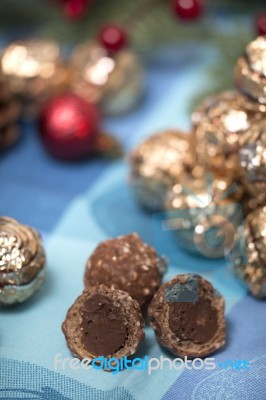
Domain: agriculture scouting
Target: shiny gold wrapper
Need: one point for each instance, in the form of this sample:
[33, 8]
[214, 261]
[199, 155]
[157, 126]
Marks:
[22, 261]
[34, 71]
[198, 205]
[250, 70]
[249, 260]
[159, 163]
[114, 82]
[253, 162]
[222, 125]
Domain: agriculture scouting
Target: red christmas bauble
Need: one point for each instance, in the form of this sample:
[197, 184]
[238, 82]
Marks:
[74, 8]
[261, 24]
[187, 9]
[112, 37]
[69, 127]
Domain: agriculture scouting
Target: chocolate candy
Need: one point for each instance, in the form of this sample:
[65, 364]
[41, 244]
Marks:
[159, 163]
[126, 263]
[187, 315]
[250, 70]
[103, 322]
[113, 80]
[22, 261]
[198, 205]
[222, 125]
[249, 261]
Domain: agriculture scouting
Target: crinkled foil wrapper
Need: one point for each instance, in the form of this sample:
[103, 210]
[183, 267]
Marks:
[223, 124]
[115, 82]
[250, 70]
[249, 261]
[10, 110]
[22, 261]
[199, 204]
[33, 69]
[159, 163]
[253, 162]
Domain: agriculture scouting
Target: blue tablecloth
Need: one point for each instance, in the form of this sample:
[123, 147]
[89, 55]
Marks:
[77, 205]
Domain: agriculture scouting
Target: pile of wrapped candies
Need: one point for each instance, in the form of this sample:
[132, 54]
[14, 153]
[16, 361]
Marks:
[103, 75]
[170, 172]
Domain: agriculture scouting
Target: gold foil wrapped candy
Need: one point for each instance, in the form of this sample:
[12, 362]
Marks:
[253, 163]
[222, 125]
[159, 163]
[34, 70]
[114, 82]
[9, 115]
[249, 261]
[250, 70]
[22, 261]
[203, 214]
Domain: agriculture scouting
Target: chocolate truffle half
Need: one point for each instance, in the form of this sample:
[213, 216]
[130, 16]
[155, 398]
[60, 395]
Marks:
[126, 263]
[187, 315]
[22, 261]
[103, 322]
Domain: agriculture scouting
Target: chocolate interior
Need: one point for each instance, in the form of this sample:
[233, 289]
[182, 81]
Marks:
[104, 328]
[193, 319]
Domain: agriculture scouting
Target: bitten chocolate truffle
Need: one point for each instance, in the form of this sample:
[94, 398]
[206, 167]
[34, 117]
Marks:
[187, 315]
[249, 260]
[126, 263]
[22, 261]
[103, 322]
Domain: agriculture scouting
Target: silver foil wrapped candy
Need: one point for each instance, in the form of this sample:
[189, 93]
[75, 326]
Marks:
[203, 212]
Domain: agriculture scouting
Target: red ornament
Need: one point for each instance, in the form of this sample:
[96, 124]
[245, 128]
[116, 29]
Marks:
[74, 8]
[113, 37]
[69, 127]
[187, 9]
[261, 24]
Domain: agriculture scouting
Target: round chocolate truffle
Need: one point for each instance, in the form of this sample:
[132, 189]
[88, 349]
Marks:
[187, 315]
[22, 261]
[103, 322]
[249, 259]
[159, 163]
[126, 263]
[250, 70]
[222, 124]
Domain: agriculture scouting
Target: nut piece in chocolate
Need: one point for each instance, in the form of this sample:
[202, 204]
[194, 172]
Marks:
[249, 262]
[103, 322]
[22, 261]
[187, 315]
[126, 263]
